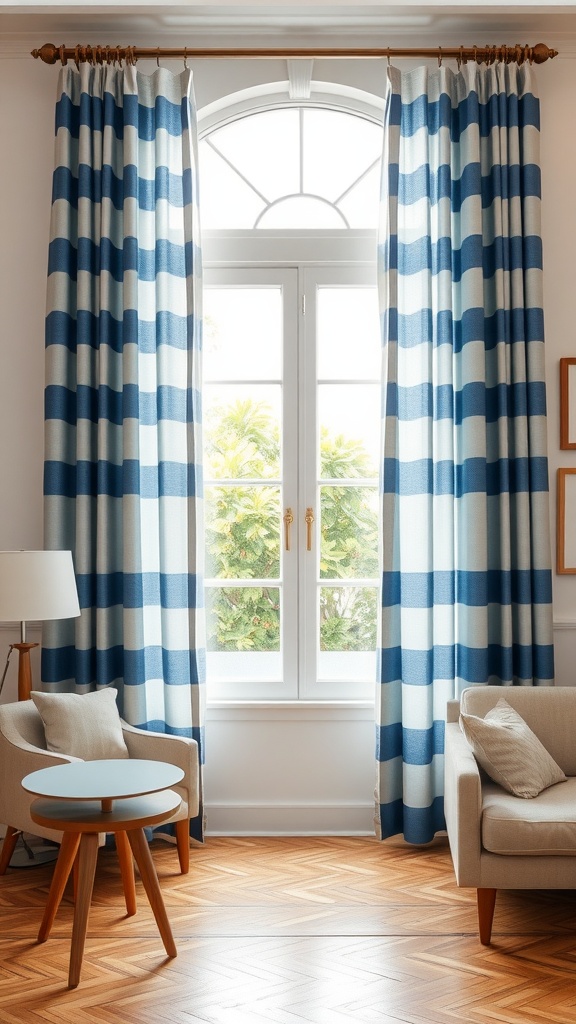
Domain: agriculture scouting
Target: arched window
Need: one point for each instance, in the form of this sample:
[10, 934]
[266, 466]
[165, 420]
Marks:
[291, 167]
[289, 209]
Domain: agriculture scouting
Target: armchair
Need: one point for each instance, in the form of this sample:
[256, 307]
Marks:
[23, 750]
[500, 841]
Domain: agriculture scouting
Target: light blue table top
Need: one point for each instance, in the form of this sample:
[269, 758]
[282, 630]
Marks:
[103, 780]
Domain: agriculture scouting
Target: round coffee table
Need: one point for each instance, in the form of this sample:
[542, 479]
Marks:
[84, 798]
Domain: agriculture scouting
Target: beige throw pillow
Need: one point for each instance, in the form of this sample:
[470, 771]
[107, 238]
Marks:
[83, 725]
[509, 752]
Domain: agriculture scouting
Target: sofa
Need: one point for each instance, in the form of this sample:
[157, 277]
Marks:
[499, 840]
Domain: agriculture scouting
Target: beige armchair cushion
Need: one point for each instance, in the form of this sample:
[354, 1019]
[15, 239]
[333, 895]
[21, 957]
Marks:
[509, 752]
[85, 725]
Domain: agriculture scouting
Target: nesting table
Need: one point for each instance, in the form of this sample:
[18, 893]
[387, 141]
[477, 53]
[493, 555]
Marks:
[84, 798]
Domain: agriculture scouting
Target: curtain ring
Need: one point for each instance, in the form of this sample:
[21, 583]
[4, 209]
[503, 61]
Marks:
[475, 57]
[439, 56]
[158, 56]
[63, 57]
[77, 55]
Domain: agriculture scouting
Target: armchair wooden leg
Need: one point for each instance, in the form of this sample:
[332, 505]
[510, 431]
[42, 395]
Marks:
[10, 840]
[486, 901]
[183, 844]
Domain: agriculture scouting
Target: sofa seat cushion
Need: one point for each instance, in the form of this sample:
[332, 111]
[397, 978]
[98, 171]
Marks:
[546, 825]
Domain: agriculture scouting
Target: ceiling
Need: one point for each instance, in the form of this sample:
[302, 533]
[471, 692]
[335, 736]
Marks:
[136, 23]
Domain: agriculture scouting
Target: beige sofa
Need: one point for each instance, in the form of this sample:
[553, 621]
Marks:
[500, 841]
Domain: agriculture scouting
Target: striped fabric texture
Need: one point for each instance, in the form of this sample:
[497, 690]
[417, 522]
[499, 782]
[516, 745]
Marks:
[123, 474]
[467, 586]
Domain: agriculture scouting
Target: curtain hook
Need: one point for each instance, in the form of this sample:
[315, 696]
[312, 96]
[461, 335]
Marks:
[475, 57]
[388, 57]
[186, 58]
[158, 56]
[439, 56]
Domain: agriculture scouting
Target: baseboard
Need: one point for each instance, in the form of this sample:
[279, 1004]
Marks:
[261, 819]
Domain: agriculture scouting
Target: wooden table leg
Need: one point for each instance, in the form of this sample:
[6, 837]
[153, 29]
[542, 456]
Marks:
[143, 858]
[86, 869]
[66, 857]
[126, 861]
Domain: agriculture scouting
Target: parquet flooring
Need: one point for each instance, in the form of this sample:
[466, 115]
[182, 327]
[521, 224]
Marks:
[284, 931]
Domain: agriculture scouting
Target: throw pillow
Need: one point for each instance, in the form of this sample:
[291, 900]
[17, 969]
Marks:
[85, 725]
[509, 752]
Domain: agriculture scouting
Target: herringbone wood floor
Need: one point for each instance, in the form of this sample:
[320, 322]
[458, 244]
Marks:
[322, 930]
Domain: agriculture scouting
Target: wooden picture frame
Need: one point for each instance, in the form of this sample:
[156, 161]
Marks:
[568, 403]
[566, 521]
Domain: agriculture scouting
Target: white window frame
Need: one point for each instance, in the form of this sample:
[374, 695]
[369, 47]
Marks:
[286, 279]
[300, 250]
[336, 257]
[311, 686]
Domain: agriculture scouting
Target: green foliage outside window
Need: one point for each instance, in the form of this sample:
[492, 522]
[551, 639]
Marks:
[243, 526]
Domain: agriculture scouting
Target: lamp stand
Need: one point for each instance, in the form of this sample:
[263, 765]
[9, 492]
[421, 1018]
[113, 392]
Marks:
[24, 669]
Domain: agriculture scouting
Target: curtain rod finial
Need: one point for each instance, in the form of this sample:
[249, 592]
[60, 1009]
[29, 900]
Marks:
[47, 53]
[541, 53]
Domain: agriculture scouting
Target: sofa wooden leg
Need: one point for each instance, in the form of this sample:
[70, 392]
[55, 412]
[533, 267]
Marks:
[486, 900]
[10, 840]
[183, 844]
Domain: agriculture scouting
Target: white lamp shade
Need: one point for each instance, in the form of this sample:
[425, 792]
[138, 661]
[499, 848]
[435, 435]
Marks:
[37, 585]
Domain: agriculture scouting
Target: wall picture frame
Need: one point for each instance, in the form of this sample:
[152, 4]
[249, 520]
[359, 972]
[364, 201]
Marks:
[568, 403]
[566, 521]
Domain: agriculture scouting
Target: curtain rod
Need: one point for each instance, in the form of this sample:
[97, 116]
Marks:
[51, 54]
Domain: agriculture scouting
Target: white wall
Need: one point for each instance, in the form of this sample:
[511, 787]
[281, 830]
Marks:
[304, 769]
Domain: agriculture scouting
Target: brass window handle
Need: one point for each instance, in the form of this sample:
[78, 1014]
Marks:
[288, 520]
[309, 519]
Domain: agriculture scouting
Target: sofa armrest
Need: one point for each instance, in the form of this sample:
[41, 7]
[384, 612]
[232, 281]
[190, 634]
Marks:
[453, 711]
[178, 750]
[463, 806]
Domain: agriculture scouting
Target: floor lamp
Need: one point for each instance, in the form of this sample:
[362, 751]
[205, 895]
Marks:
[34, 586]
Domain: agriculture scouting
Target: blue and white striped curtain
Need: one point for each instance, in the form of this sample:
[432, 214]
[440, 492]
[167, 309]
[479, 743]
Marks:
[466, 556]
[122, 477]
